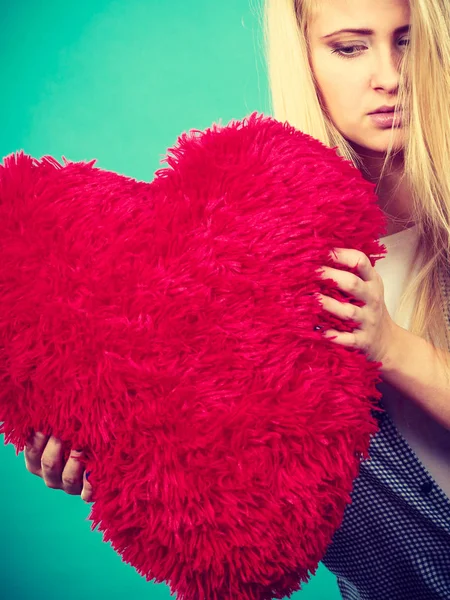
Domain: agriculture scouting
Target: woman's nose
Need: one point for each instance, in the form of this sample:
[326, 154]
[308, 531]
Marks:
[386, 71]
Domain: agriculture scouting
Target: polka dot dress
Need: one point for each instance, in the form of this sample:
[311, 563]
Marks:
[394, 541]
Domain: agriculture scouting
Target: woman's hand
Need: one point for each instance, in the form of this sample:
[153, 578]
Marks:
[377, 331]
[44, 458]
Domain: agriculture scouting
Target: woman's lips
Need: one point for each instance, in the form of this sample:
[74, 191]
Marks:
[386, 120]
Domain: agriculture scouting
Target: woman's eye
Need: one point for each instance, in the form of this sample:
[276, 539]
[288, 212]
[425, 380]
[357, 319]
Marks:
[355, 50]
[348, 51]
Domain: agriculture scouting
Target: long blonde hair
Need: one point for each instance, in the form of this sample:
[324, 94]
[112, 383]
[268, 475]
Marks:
[425, 91]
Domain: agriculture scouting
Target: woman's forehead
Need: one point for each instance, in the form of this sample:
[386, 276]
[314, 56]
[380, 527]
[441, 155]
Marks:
[330, 15]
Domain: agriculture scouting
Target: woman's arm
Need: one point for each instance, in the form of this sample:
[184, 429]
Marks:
[410, 363]
[414, 368]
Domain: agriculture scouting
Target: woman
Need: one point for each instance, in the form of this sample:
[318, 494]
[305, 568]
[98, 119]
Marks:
[394, 541]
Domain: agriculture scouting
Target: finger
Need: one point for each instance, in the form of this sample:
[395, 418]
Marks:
[72, 475]
[342, 338]
[347, 282]
[52, 463]
[343, 310]
[33, 452]
[354, 259]
[88, 491]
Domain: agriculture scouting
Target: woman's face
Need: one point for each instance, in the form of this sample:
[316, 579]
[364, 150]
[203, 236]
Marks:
[358, 72]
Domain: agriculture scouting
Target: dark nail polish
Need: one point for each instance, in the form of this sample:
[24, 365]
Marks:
[87, 474]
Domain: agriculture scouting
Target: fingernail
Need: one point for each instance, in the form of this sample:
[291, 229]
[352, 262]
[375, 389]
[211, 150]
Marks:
[318, 297]
[333, 254]
[87, 474]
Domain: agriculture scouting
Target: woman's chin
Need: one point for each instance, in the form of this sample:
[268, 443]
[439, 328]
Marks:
[377, 146]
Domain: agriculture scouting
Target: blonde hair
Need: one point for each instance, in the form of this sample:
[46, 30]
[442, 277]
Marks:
[424, 91]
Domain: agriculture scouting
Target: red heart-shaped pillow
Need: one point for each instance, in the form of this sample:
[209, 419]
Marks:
[170, 330]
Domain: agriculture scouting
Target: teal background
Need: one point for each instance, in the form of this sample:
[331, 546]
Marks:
[119, 82]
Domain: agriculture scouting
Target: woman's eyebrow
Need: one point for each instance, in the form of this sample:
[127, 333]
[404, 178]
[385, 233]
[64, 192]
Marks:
[403, 29]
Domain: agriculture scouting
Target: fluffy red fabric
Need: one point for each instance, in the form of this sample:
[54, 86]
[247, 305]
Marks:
[168, 328]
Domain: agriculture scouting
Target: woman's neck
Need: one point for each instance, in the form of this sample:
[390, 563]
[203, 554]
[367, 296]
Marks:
[393, 191]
